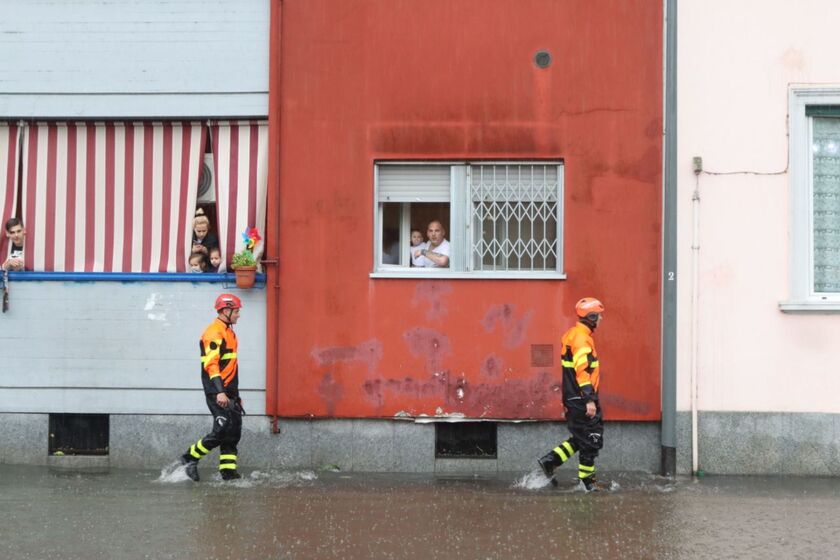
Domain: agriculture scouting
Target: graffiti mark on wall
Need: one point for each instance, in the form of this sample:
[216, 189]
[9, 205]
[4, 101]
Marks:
[512, 398]
[492, 366]
[369, 353]
[430, 344]
[433, 295]
[514, 328]
[330, 392]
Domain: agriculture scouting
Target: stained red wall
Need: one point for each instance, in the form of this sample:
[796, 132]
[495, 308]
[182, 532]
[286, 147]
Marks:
[454, 79]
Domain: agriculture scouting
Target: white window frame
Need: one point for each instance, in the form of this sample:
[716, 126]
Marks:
[459, 232]
[802, 297]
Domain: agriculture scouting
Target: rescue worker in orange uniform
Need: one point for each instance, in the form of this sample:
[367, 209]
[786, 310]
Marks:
[581, 377]
[220, 377]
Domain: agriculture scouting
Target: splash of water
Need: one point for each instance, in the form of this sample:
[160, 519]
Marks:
[533, 480]
[173, 472]
[283, 478]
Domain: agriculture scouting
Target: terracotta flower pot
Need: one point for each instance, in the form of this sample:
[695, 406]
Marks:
[245, 276]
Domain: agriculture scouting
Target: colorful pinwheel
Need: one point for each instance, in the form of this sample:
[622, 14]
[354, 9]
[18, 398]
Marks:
[250, 237]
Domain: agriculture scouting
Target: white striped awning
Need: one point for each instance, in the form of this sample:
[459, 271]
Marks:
[110, 197]
[240, 161]
[9, 139]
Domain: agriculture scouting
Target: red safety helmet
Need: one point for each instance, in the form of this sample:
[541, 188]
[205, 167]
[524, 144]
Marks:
[228, 301]
[588, 305]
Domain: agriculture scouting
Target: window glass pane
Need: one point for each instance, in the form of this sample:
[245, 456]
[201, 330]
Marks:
[391, 213]
[825, 150]
[514, 207]
[421, 214]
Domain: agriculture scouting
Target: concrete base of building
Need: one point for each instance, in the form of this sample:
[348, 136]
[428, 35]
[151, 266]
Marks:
[153, 441]
[729, 443]
[84, 463]
[761, 443]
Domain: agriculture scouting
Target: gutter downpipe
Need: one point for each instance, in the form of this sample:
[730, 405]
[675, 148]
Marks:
[272, 347]
[695, 319]
[668, 463]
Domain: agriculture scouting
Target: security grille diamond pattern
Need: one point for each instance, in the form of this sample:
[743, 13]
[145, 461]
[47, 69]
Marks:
[514, 216]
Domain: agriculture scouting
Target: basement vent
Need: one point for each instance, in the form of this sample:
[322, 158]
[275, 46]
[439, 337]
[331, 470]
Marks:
[79, 434]
[461, 440]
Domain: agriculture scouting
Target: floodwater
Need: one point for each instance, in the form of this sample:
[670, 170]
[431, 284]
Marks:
[132, 514]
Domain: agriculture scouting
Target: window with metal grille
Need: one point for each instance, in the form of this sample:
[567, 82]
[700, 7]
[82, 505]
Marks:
[514, 207]
[500, 219]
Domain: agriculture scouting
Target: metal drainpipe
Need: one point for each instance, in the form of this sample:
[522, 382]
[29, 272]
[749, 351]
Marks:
[273, 207]
[669, 247]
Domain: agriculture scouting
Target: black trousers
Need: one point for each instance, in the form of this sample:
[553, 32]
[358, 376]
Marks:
[227, 426]
[588, 433]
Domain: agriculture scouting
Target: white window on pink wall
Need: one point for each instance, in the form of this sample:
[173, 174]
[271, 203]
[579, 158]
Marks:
[110, 197]
[815, 200]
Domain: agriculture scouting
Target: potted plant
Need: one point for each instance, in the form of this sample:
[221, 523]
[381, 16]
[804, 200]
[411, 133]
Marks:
[243, 263]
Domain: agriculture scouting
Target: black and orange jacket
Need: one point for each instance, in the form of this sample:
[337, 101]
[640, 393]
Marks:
[219, 366]
[581, 371]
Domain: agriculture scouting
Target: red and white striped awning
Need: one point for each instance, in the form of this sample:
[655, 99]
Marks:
[9, 139]
[110, 197]
[240, 161]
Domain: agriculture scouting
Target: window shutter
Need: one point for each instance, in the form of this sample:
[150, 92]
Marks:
[414, 183]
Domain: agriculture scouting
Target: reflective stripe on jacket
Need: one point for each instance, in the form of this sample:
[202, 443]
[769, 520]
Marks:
[218, 346]
[580, 365]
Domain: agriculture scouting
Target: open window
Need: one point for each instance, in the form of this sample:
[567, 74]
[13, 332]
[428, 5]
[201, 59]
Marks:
[501, 219]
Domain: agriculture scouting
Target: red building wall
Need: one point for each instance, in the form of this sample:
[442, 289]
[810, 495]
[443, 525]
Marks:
[369, 80]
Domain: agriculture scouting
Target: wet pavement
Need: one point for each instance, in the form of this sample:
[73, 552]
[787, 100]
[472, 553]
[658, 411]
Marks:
[127, 514]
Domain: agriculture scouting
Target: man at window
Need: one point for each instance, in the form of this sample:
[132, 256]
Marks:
[435, 252]
[16, 235]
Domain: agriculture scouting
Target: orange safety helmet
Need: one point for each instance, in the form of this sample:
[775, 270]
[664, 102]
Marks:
[228, 301]
[588, 305]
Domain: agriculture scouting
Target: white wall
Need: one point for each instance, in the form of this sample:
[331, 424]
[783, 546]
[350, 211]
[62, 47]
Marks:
[153, 58]
[736, 64]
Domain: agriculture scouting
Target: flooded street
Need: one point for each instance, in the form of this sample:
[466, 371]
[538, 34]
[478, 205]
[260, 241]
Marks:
[306, 514]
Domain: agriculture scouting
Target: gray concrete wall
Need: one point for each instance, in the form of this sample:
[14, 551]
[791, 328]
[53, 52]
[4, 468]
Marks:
[152, 441]
[730, 443]
[761, 443]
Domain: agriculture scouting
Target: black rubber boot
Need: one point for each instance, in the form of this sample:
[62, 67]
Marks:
[191, 466]
[229, 474]
[592, 485]
[549, 462]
